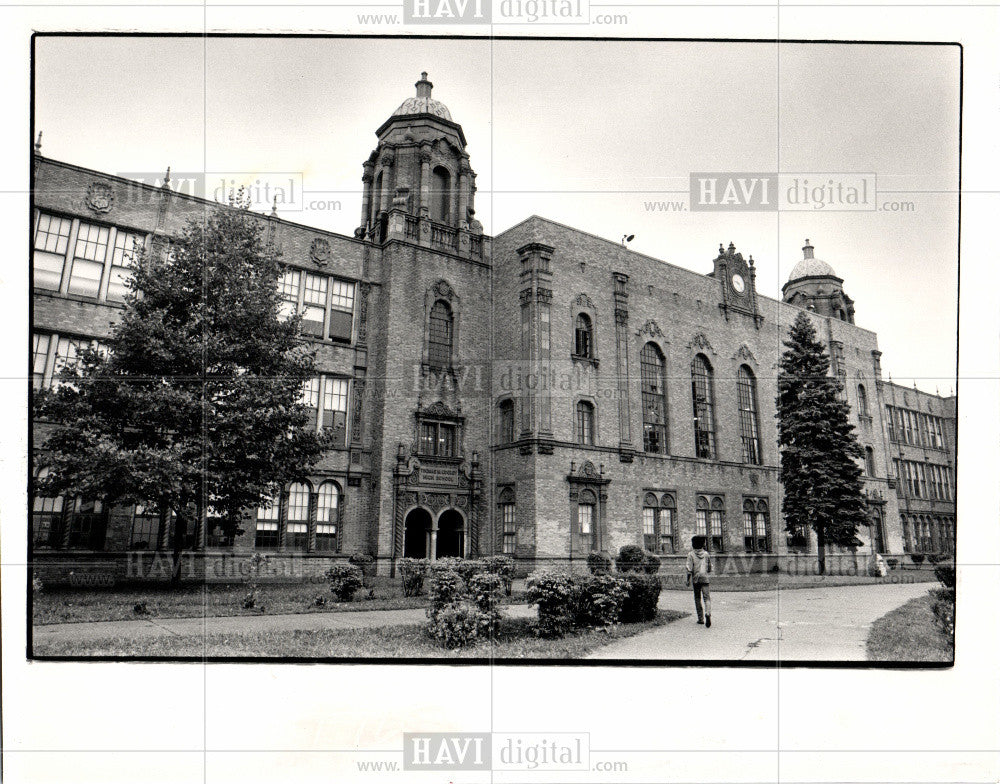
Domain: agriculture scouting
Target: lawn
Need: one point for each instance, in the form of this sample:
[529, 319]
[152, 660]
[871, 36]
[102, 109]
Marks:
[515, 640]
[909, 634]
[62, 605]
[770, 581]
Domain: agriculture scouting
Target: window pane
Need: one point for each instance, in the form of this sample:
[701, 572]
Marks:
[327, 504]
[298, 503]
[341, 325]
[85, 278]
[52, 233]
[446, 440]
[586, 514]
[316, 289]
[127, 248]
[312, 320]
[48, 268]
[747, 389]
[704, 415]
[428, 438]
[92, 242]
[654, 408]
[439, 346]
[118, 283]
[39, 357]
[342, 295]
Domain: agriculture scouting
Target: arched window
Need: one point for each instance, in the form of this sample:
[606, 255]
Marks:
[703, 398]
[586, 514]
[584, 423]
[440, 336]
[654, 399]
[441, 194]
[327, 516]
[878, 532]
[583, 344]
[297, 527]
[862, 401]
[756, 538]
[869, 461]
[907, 535]
[650, 522]
[746, 386]
[506, 421]
[508, 521]
[708, 521]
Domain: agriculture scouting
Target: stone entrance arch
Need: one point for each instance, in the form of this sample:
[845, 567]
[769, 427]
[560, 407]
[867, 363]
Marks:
[450, 534]
[417, 533]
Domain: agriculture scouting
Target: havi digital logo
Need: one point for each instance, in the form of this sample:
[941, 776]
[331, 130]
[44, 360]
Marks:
[447, 11]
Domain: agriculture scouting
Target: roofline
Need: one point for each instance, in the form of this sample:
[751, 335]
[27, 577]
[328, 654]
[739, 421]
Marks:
[454, 125]
[189, 197]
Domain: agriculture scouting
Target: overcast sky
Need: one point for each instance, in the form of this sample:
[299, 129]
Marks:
[585, 133]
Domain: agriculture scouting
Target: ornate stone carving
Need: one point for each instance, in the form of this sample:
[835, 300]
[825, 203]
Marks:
[543, 295]
[745, 354]
[319, 251]
[443, 289]
[363, 291]
[650, 329]
[439, 410]
[100, 197]
[700, 343]
[584, 301]
[621, 316]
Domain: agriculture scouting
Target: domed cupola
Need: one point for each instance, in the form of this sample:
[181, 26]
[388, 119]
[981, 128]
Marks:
[419, 169]
[814, 285]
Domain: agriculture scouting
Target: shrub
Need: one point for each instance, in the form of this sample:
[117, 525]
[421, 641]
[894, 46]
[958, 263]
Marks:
[651, 562]
[251, 568]
[918, 558]
[465, 567]
[366, 564]
[945, 575]
[631, 558]
[598, 600]
[411, 573]
[140, 608]
[599, 563]
[943, 605]
[456, 625]
[36, 586]
[447, 588]
[642, 595]
[344, 579]
[486, 592]
[503, 567]
[555, 597]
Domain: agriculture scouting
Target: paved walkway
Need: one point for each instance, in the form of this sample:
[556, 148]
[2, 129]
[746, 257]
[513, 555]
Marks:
[800, 624]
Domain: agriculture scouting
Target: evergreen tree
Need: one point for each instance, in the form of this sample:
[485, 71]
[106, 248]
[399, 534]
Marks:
[196, 407]
[819, 451]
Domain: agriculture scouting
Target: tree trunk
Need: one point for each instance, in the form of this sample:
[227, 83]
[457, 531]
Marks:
[821, 548]
[180, 530]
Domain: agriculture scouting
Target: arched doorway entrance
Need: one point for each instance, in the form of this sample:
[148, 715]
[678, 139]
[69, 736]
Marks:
[451, 534]
[417, 532]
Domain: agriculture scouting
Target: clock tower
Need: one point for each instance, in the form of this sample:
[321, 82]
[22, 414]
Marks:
[737, 279]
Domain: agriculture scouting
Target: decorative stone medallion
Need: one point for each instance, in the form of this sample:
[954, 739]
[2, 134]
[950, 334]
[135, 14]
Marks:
[319, 251]
[100, 197]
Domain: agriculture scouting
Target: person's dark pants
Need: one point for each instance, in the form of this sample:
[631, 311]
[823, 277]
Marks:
[701, 592]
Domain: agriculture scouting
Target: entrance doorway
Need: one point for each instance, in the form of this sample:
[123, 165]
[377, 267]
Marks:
[451, 535]
[417, 533]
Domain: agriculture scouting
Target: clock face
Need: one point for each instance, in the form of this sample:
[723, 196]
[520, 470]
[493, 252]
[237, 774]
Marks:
[739, 284]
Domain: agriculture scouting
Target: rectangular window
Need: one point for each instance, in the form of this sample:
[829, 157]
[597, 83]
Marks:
[509, 528]
[145, 528]
[291, 280]
[46, 514]
[341, 310]
[88, 260]
[889, 423]
[428, 438]
[585, 514]
[326, 537]
[51, 240]
[126, 251]
[314, 304]
[446, 440]
[266, 537]
[334, 414]
[667, 532]
[310, 399]
[86, 525]
[438, 438]
[715, 521]
[40, 343]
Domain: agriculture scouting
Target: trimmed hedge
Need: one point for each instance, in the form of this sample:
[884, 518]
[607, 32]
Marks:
[556, 599]
[344, 579]
[602, 600]
[632, 558]
[599, 563]
[642, 595]
[598, 600]
[503, 567]
[463, 611]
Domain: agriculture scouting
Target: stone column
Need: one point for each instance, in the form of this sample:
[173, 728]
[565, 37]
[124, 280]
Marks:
[463, 195]
[366, 198]
[385, 200]
[432, 545]
[621, 335]
[425, 182]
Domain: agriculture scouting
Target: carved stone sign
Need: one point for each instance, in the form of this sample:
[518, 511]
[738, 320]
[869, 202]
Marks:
[439, 475]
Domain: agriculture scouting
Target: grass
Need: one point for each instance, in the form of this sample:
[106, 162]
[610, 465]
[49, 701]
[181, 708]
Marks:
[515, 640]
[909, 634]
[64, 605]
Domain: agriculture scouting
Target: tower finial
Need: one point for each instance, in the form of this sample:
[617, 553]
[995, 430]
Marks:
[274, 208]
[424, 87]
[807, 250]
[38, 144]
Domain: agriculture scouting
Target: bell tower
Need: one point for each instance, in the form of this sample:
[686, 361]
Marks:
[418, 177]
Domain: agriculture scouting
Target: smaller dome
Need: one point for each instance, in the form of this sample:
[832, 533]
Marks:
[422, 103]
[810, 266]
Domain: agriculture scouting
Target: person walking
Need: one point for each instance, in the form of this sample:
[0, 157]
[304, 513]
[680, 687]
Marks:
[699, 567]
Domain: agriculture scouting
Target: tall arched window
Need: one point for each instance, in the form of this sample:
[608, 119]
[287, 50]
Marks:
[440, 336]
[708, 521]
[584, 423]
[746, 385]
[505, 411]
[869, 461]
[652, 366]
[297, 526]
[862, 401]
[703, 398]
[583, 344]
[440, 194]
[327, 516]
[508, 521]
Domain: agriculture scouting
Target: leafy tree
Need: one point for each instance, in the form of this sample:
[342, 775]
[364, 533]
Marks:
[819, 451]
[196, 407]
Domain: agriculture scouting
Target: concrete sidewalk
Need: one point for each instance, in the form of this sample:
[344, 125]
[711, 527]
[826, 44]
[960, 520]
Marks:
[800, 624]
[238, 624]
